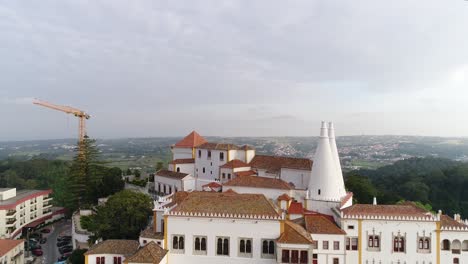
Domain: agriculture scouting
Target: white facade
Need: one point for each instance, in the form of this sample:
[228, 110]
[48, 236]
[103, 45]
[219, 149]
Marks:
[19, 208]
[212, 228]
[299, 178]
[108, 258]
[182, 153]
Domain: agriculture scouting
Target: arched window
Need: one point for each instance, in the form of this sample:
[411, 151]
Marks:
[376, 241]
[456, 261]
[421, 243]
[178, 169]
[175, 242]
[203, 244]
[226, 246]
[271, 247]
[242, 246]
[197, 244]
[427, 243]
[445, 244]
[248, 246]
[319, 192]
[181, 243]
[371, 241]
[265, 247]
[399, 244]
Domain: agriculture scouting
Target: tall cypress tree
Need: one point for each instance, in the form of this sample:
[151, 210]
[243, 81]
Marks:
[85, 175]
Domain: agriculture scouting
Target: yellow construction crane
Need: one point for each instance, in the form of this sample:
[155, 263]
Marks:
[69, 110]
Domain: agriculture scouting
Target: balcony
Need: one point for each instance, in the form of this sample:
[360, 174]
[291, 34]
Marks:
[46, 211]
[47, 205]
[11, 213]
[11, 223]
[47, 199]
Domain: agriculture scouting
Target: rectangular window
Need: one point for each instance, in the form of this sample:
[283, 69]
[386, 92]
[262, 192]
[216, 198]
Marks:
[325, 245]
[351, 227]
[304, 257]
[209, 154]
[222, 246]
[224, 175]
[336, 261]
[199, 153]
[203, 170]
[229, 176]
[117, 260]
[199, 247]
[268, 248]
[285, 256]
[336, 245]
[314, 244]
[221, 156]
[294, 256]
[178, 243]
[354, 243]
[245, 247]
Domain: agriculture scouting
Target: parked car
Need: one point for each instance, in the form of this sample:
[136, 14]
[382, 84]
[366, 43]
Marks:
[45, 230]
[64, 256]
[43, 240]
[64, 238]
[63, 243]
[37, 252]
[65, 249]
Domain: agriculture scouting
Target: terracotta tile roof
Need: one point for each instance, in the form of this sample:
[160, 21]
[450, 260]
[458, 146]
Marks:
[406, 209]
[182, 161]
[190, 141]
[245, 173]
[8, 244]
[149, 233]
[284, 197]
[259, 182]
[226, 203]
[247, 147]
[345, 199]
[213, 185]
[235, 163]
[294, 234]
[295, 208]
[171, 174]
[447, 221]
[150, 253]
[219, 146]
[177, 198]
[320, 224]
[273, 164]
[230, 191]
[115, 246]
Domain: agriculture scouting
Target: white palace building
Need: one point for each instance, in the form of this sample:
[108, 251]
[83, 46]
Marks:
[222, 203]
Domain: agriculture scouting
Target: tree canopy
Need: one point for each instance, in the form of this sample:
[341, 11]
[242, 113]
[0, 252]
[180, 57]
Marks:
[123, 216]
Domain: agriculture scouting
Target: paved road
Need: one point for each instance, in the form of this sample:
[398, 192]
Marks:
[50, 248]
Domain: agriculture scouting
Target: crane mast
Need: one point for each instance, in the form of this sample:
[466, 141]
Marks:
[82, 116]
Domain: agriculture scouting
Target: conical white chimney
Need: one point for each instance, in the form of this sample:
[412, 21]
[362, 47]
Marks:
[323, 183]
[336, 159]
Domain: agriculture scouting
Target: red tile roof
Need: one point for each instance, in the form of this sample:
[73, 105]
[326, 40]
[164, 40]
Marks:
[150, 253]
[406, 209]
[447, 221]
[245, 173]
[320, 224]
[213, 185]
[259, 182]
[274, 164]
[235, 163]
[345, 199]
[294, 234]
[8, 244]
[230, 191]
[190, 141]
[284, 197]
[171, 174]
[219, 146]
[226, 203]
[182, 161]
[114, 246]
[295, 208]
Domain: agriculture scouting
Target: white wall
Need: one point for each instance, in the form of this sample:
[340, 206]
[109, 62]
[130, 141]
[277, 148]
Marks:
[182, 153]
[211, 165]
[108, 258]
[226, 227]
[385, 228]
[327, 255]
[323, 207]
[250, 155]
[300, 178]
[188, 168]
[188, 183]
[168, 182]
[446, 256]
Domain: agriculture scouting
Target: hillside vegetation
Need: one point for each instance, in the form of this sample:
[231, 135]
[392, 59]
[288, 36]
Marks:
[439, 183]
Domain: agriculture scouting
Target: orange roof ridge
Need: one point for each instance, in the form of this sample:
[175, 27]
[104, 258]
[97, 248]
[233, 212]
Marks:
[294, 234]
[190, 141]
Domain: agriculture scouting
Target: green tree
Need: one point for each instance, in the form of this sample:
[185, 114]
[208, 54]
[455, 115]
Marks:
[124, 215]
[77, 256]
[128, 172]
[362, 188]
[85, 175]
[159, 165]
[137, 173]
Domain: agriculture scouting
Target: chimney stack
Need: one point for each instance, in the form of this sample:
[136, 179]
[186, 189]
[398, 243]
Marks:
[375, 201]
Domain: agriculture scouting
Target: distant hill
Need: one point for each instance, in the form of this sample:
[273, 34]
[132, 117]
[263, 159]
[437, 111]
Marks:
[355, 151]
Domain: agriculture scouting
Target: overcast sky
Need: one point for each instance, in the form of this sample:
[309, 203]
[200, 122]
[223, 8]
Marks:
[234, 68]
